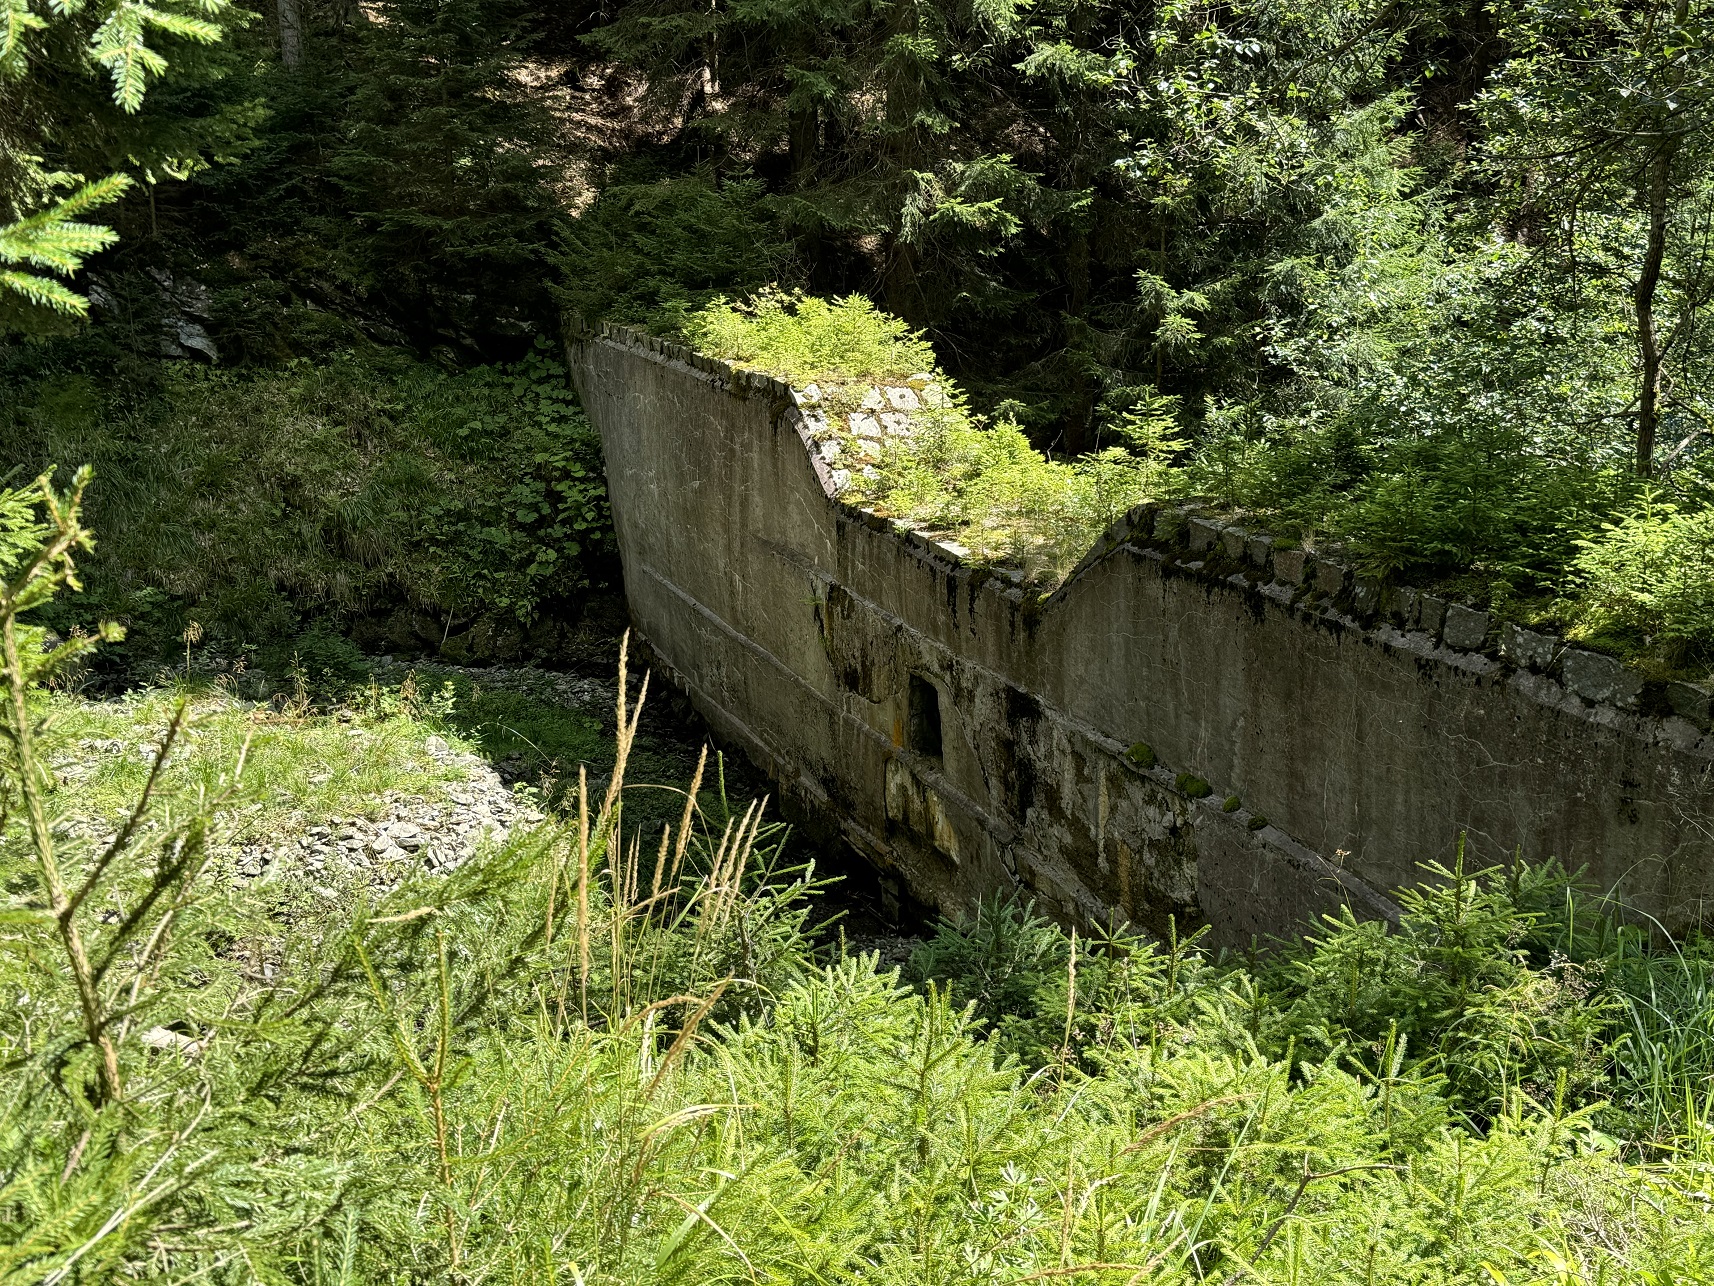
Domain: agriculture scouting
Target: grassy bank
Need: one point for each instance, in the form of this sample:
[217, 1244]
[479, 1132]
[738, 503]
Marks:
[611, 1045]
[417, 508]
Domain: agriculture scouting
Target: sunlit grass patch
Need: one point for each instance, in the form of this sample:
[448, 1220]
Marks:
[298, 765]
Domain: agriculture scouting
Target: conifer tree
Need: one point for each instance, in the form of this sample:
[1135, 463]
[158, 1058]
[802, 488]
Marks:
[447, 167]
[47, 53]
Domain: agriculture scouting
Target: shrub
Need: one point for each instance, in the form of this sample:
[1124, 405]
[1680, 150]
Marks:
[253, 500]
[1650, 574]
[803, 339]
[979, 483]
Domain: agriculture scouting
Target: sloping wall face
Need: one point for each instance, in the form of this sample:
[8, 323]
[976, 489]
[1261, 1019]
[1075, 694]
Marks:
[1191, 727]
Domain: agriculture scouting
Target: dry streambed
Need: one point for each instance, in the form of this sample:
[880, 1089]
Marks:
[400, 833]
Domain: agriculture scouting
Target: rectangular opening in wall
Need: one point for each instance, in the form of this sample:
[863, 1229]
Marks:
[925, 717]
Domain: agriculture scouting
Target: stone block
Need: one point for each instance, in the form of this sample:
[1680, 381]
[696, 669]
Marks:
[1692, 701]
[1233, 540]
[1290, 565]
[1465, 628]
[1402, 604]
[1204, 534]
[1261, 548]
[1431, 614]
[1366, 596]
[1526, 648]
[1329, 577]
[1600, 678]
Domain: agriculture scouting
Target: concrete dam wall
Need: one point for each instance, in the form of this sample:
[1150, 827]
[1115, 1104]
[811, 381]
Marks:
[1193, 725]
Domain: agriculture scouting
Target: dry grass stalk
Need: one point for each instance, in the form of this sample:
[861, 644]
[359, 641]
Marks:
[684, 821]
[583, 891]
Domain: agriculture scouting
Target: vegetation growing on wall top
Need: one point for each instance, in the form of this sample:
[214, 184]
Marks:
[902, 440]
[1640, 584]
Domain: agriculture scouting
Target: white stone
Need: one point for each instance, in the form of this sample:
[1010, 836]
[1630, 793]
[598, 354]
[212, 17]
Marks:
[873, 401]
[830, 449]
[921, 380]
[934, 395]
[809, 394]
[903, 399]
[865, 426]
[164, 1038]
[896, 423]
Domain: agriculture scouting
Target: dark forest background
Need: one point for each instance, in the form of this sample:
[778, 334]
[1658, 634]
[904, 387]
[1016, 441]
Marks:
[1429, 281]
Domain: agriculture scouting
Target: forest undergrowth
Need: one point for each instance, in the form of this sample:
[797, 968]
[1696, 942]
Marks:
[368, 494]
[619, 1046]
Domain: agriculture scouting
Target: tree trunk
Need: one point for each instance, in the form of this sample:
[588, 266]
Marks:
[900, 288]
[291, 33]
[1648, 286]
[802, 127]
[1648, 280]
[1080, 410]
[901, 285]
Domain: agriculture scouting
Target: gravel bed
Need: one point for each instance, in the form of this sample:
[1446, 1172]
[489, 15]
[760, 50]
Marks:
[412, 830]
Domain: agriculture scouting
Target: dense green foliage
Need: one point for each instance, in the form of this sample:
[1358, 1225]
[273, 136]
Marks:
[366, 485]
[313, 202]
[1428, 282]
[55, 63]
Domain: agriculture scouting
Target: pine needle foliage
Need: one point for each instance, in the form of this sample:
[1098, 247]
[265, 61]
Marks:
[42, 232]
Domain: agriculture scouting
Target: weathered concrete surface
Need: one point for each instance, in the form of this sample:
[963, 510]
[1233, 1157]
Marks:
[1183, 729]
